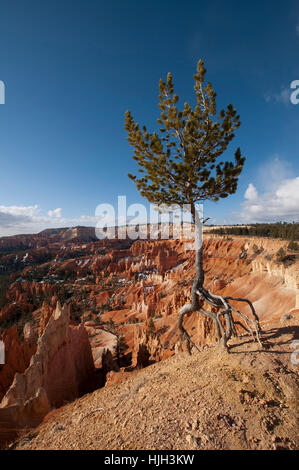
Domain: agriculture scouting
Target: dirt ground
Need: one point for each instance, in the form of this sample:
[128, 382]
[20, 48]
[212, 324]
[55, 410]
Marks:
[247, 399]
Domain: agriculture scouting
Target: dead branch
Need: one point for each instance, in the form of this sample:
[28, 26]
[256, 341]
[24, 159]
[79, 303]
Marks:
[90, 413]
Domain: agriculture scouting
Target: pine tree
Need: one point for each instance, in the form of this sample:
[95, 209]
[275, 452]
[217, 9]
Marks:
[181, 165]
[151, 326]
[121, 348]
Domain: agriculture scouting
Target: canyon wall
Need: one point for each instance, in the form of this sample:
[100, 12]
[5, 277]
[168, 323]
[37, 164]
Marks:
[61, 370]
[124, 299]
[17, 357]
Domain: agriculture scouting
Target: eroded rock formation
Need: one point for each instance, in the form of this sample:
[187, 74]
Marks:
[17, 357]
[61, 370]
[116, 287]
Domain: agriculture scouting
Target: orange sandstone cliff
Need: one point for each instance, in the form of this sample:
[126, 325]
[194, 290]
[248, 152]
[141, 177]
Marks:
[123, 299]
[61, 370]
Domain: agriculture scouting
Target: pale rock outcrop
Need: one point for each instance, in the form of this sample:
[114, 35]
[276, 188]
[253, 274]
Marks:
[45, 315]
[28, 332]
[61, 370]
[62, 365]
[101, 341]
[289, 274]
[147, 347]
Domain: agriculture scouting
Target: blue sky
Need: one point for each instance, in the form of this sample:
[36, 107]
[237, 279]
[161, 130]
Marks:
[72, 68]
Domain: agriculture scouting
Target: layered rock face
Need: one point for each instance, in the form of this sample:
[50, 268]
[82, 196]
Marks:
[83, 234]
[61, 370]
[101, 341]
[128, 282]
[147, 348]
[233, 268]
[17, 357]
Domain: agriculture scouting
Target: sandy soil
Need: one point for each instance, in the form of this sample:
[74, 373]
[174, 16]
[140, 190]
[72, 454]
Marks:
[247, 399]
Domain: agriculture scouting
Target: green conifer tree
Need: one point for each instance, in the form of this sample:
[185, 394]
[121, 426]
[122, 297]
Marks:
[181, 165]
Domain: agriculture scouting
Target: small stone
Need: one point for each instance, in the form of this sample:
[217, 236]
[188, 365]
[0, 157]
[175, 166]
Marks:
[195, 425]
[57, 427]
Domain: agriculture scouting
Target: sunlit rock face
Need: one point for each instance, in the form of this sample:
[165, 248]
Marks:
[120, 288]
[128, 281]
[61, 370]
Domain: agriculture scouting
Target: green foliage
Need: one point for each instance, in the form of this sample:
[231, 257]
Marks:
[4, 284]
[122, 346]
[283, 257]
[280, 255]
[284, 230]
[111, 326]
[98, 320]
[257, 250]
[105, 307]
[18, 318]
[293, 246]
[180, 162]
[151, 326]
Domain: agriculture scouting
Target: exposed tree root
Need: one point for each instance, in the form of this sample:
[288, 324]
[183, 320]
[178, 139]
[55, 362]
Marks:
[222, 308]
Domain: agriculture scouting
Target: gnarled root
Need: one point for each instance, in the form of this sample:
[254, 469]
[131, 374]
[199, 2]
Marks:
[225, 309]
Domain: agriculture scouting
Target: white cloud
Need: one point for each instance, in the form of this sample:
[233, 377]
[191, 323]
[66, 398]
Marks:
[23, 211]
[55, 213]
[272, 171]
[251, 193]
[27, 219]
[281, 97]
[281, 204]
[278, 195]
[16, 220]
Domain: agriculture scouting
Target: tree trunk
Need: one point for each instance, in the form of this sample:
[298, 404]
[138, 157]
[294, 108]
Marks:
[198, 242]
[218, 302]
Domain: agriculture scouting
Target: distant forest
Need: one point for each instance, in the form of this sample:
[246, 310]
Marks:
[284, 230]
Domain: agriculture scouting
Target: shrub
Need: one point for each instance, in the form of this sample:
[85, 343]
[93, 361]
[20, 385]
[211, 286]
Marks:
[4, 284]
[280, 255]
[151, 326]
[293, 246]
